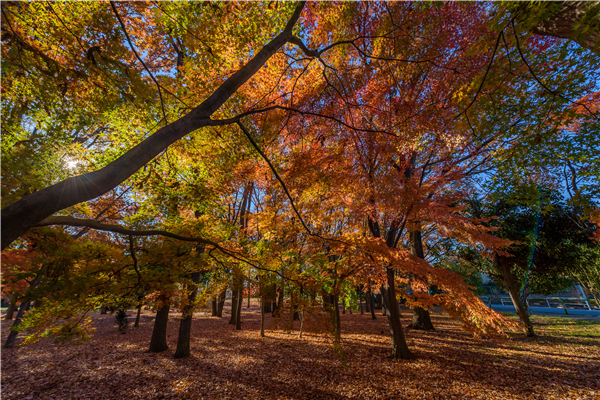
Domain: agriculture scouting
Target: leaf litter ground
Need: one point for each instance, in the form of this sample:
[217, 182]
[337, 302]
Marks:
[563, 363]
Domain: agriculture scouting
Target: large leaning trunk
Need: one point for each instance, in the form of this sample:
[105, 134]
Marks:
[185, 326]
[421, 318]
[158, 342]
[30, 210]
[513, 290]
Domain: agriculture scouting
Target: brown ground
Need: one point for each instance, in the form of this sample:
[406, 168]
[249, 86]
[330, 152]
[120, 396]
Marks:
[229, 364]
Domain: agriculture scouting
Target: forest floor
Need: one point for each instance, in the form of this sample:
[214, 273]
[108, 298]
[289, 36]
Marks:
[562, 363]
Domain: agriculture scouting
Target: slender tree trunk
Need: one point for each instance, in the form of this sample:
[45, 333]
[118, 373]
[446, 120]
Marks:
[332, 304]
[513, 291]
[137, 317]
[158, 342]
[25, 304]
[234, 305]
[11, 307]
[399, 347]
[360, 302]
[103, 310]
[238, 316]
[262, 316]
[383, 291]
[221, 303]
[371, 302]
[421, 318]
[214, 306]
[368, 300]
[185, 326]
[280, 297]
[248, 306]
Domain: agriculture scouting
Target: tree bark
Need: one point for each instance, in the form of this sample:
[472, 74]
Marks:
[25, 304]
[221, 303]
[360, 302]
[234, 305]
[25, 213]
[371, 302]
[280, 297]
[421, 318]
[137, 317]
[567, 20]
[214, 306]
[383, 291]
[399, 347]
[185, 326]
[238, 316]
[513, 290]
[11, 307]
[262, 316]
[248, 305]
[158, 342]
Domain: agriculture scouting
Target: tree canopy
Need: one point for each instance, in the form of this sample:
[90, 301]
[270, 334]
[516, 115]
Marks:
[301, 148]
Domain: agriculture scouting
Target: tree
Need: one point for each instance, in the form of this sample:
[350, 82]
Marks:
[545, 239]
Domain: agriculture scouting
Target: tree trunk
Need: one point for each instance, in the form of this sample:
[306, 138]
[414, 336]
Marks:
[248, 306]
[234, 306]
[262, 316]
[238, 316]
[237, 293]
[11, 307]
[185, 326]
[399, 347]
[266, 305]
[158, 342]
[379, 301]
[137, 317]
[371, 303]
[214, 306]
[383, 291]
[280, 297]
[25, 304]
[368, 301]
[360, 300]
[332, 306]
[221, 303]
[421, 318]
[513, 291]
